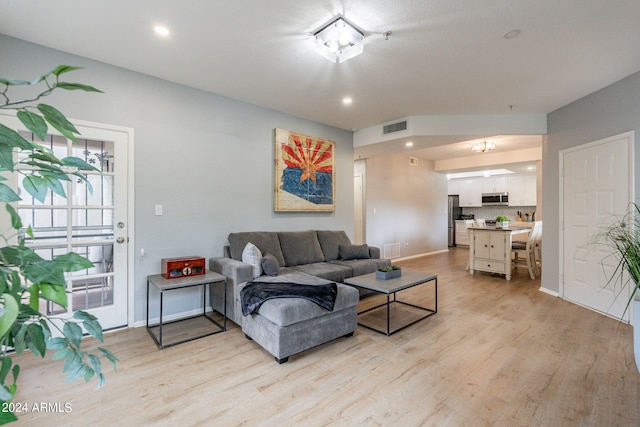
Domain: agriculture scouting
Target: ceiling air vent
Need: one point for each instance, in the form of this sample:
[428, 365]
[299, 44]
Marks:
[413, 161]
[394, 127]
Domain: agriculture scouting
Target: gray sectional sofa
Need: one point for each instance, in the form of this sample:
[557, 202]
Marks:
[286, 326]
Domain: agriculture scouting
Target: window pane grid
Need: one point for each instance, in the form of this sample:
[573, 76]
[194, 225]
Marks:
[82, 222]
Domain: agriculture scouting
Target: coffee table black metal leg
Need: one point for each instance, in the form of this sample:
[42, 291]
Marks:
[388, 316]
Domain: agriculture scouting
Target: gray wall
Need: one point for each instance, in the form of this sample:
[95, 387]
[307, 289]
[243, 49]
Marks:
[610, 111]
[208, 159]
[410, 204]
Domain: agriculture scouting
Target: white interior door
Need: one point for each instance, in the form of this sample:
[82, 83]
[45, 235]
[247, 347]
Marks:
[596, 184]
[91, 221]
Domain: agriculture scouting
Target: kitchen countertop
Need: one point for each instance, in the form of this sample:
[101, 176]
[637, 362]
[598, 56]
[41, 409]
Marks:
[522, 228]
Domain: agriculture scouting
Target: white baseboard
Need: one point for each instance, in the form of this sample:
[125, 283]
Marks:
[169, 318]
[550, 292]
[419, 255]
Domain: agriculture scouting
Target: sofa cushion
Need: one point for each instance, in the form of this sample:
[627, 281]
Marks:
[300, 247]
[363, 266]
[270, 264]
[330, 241]
[252, 255]
[266, 241]
[326, 270]
[348, 252]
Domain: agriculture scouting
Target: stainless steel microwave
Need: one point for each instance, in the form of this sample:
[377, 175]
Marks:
[495, 199]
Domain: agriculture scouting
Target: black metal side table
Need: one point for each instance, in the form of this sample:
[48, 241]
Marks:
[165, 285]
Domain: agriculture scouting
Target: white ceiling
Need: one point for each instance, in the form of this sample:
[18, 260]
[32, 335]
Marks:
[443, 57]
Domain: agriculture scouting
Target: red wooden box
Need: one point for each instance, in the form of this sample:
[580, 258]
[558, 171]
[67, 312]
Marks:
[173, 268]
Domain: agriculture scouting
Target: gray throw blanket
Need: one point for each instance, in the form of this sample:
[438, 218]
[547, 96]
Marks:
[255, 293]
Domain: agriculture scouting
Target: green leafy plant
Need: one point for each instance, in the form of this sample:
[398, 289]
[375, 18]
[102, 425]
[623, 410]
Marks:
[623, 238]
[502, 218]
[389, 268]
[25, 277]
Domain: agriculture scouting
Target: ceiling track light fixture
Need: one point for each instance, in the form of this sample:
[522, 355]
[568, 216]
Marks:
[483, 147]
[339, 41]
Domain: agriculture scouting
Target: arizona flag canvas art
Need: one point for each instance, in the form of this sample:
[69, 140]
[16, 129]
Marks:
[304, 173]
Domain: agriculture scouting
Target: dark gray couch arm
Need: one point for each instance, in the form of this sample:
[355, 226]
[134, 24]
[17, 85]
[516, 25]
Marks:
[374, 252]
[236, 272]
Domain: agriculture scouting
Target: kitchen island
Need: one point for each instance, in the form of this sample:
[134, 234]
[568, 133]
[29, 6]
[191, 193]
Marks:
[490, 248]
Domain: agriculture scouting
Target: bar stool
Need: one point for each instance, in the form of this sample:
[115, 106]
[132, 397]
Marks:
[527, 250]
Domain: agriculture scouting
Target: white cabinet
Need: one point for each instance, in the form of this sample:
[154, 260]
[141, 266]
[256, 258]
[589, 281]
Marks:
[495, 185]
[490, 251]
[470, 193]
[522, 190]
[454, 187]
[462, 236]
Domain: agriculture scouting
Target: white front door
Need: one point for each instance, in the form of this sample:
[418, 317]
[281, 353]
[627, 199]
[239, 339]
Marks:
[596, 183]
[91, 221]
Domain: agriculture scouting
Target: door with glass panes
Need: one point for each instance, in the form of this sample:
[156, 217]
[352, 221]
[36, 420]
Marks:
[91, 221]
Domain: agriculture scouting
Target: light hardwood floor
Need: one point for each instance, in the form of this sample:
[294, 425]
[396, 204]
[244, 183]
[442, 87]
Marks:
[496, 353]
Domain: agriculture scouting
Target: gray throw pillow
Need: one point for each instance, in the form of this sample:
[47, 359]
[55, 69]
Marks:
[348, 252]
[270, 264]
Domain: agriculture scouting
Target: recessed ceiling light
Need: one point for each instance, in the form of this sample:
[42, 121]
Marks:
[511, 34]
[408, 144]
[346, 100]
[161, 30]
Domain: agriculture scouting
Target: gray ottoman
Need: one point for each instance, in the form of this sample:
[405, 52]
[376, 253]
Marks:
[286, 326]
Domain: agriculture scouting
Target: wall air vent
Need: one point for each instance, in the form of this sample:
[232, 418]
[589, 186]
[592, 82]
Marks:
[413, 161]
[394, 127]
[391, 250]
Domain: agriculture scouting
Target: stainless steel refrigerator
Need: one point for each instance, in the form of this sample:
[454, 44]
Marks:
[455, 211]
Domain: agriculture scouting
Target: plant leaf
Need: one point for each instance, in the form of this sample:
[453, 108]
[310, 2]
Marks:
[18, 255]
[75, 162]
[56, 119]
[77, 86]
[36, 186]
[62, 353]
[6, 417]
[45, 156]
[13, 139]
[54, 185]
[91, 324]
[7, 194]
[34, 122]
[110, 356]
[6, 367]
[74, 366]
[73, 333]
[16, 222]
[56, 71]
[12, 82]
[8, 314]
[35, 339]
[71, 261]
[54, 293]
[44, 271]
[6, 157]
[61, 69]
[34, 296]
[57, 343]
